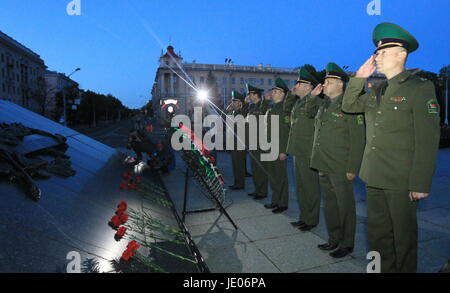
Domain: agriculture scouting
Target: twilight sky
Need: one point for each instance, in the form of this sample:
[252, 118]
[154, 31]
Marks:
[117, 43]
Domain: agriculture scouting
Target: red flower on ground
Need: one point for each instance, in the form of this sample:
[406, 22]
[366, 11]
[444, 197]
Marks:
[121, 232]
[126, 176]
[123, 218]
[122, 207]
[115, 221]
[123, 185]
[133, 245]
[149, 128]
[127, 254]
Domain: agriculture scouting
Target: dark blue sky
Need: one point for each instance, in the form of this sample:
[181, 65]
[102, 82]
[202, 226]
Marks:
[112, 40]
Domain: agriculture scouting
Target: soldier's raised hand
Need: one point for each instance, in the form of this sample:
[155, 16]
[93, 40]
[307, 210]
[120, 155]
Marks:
[367, 69]
[317, 90]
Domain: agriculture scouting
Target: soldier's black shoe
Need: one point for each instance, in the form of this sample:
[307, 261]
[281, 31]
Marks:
[232, 187]
[270, 206]
[259, 197]
[279, 210]
[298, 223]
[341, 252]
[307, 227]
[327, 246]
[248, 175]
[252, 194]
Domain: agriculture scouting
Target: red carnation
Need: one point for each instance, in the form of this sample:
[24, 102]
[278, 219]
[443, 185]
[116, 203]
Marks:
[123, 218]
[122, 207]
[133, 245]
[122, 186]
[127, 254]
[126, 176]
[121, 232]
[115, 221]
[149, 128]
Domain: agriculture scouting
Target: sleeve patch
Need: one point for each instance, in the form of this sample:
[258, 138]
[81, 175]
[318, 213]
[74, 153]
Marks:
[433, 107]
[360, 119]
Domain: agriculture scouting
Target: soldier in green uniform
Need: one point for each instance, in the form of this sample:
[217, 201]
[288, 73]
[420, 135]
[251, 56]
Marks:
[277, 169]
[338, 147]
[402, 118]
[237, 156]
[300, 142]
[258, 107]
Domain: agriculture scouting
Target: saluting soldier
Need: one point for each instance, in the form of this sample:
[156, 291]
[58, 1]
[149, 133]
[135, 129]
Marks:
[258, 107]
[402, 118]
[277, 169]
[238, 156]
[338, 147]
[300, 142]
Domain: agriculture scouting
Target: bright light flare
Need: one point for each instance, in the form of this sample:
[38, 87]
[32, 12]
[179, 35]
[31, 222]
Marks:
[202, 95]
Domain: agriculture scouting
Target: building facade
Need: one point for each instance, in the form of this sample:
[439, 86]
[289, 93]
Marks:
[175, 81]
[21, 75]
[56, 83]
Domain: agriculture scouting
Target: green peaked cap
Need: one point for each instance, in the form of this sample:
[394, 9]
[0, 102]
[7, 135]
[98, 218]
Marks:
[387, 35]
[334, 71]
[281, 85]
[237, 96]
[304, 76]
[253, 89]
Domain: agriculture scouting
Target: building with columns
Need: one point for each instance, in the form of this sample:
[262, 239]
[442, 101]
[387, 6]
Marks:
[21, 74]
[172, 75]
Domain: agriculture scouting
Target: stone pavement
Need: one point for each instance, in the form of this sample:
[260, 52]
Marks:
[267, 243]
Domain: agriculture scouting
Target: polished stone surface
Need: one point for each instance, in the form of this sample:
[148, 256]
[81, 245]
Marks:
[74, 212]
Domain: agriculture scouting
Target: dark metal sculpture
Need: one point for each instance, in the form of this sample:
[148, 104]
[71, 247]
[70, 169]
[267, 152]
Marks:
[23, 164]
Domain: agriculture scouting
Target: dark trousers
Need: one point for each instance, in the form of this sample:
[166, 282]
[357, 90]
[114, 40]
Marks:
[392, 229]
[279, 182]
[308, 190]
[238, 163]
[260, 178]
[340, 209]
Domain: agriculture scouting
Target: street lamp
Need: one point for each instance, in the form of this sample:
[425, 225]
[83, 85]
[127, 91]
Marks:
[64, 97]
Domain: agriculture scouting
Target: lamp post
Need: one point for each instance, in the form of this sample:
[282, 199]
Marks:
[64, 97]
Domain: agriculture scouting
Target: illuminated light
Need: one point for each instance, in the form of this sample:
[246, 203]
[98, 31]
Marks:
[202, 95]
[170, 109]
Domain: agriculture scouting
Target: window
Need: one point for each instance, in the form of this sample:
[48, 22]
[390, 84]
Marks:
[3, 57]
[233, 80]
[225, 80]
[269, 81]
[261, 82]
[242, 80]
[202, 79]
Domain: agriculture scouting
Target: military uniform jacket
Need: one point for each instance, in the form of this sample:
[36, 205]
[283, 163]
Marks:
[243, 112]
[339, 138]
[283, 126]
[301, 135]
[257, 110]
[402, 131]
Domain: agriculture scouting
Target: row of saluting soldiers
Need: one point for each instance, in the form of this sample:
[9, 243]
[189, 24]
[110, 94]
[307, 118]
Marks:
[335, 131]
